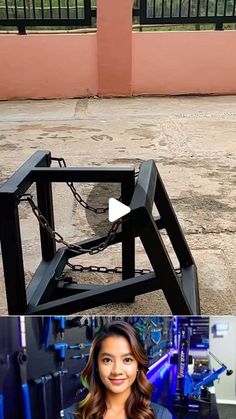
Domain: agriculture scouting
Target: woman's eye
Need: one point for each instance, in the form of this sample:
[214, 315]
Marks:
[106, 360]
[128, 360]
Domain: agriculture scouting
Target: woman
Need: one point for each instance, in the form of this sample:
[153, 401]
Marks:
[115, 376]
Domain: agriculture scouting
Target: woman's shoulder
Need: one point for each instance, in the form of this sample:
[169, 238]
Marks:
[160, 411]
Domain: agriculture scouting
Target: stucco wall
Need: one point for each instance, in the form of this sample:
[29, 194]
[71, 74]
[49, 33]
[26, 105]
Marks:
[48, 66]
[184, 62]
[65, 65]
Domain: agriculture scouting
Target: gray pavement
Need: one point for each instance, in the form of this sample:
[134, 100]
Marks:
[193, 141]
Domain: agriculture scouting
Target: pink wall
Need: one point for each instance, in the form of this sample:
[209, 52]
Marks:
[114, 23]
[117, 63]
[48, 66]
[184, 62]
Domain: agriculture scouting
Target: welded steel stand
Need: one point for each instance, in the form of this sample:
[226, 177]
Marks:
[45, 294]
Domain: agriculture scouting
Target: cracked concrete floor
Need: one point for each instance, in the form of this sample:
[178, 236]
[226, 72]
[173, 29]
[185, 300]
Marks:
[193, 141]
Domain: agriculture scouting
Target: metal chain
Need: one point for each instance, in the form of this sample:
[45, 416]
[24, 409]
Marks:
[104, 269]
[76, 248]
[58, 237]
[100, 210]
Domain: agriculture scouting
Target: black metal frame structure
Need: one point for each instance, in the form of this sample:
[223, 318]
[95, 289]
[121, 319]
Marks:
[45, 294]
[21, 22]
[162, 13]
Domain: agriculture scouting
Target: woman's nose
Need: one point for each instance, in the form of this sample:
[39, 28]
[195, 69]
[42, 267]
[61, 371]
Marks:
[116, 368]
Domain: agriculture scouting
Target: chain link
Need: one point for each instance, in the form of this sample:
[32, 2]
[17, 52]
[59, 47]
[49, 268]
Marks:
[59, 238]
[104, 269]
[76, 248]
[77, 196]
[100, 210]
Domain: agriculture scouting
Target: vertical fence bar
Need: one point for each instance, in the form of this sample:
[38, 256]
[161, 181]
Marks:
[59, 9]
[189, 7]
[198, 7]
[24, 6]
[225, 6]
[76, 9]
[87, 12]
[68, 9]
[15, 9]
[6, 6]
[216, 7]
[50, 6]
[162, 8]
[42, 9]
[180, 7]
[207, 7]
[143, 11]
[34, 12]
[154, 8]
[234, 7]
[171, 8]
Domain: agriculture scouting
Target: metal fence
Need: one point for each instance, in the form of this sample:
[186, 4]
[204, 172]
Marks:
[82, 13]
[182, 12]
[53, 13]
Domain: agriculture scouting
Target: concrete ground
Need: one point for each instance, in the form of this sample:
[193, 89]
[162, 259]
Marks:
[193, 141]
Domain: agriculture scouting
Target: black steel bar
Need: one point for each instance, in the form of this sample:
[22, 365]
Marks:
[172, 226]
[207, 7]
[24, 6]
[80, 174]
[225, 6]
[76, 9]
[148, 21]
[180, 7]
[45, 204]
[171, 8]
[42, 284]
[154, 8]
[42, 9]
[143, 11]
[189, 282]
[50, 5]
[234, 7]
[198, 7]
[216, 7]
[12, 256]
[34, 12]
[15, 9]
[145, 187]
[59, 9]
[162, 8]
[189, 8]
[89, 299]
[161, 263]
[87, 12]
[68, 9]
[6, 7]
[21, 180]
[128, 233]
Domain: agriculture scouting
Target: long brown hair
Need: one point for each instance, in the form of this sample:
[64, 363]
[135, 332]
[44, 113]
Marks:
[138, 403]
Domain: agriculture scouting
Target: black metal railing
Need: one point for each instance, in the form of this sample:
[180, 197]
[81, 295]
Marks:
[180, 12]
[49, 13]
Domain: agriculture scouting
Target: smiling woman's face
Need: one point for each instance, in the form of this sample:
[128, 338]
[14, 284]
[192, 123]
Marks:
[116, 365]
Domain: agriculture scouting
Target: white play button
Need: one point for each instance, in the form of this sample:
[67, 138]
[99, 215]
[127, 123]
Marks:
[117, 210]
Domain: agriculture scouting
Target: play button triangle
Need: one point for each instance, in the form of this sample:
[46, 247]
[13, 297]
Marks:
[116, 210]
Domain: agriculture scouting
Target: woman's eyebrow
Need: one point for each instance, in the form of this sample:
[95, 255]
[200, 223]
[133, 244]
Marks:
[112, 356]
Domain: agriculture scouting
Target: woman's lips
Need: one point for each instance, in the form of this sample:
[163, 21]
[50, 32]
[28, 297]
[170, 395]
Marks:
[116, 381]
